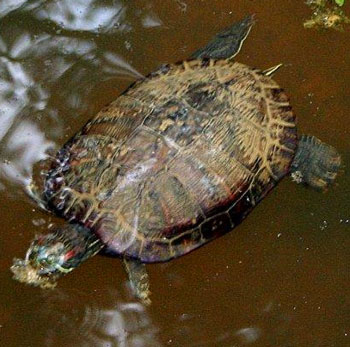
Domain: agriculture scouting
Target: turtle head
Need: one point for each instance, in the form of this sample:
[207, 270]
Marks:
[49, 254]
[52, 255]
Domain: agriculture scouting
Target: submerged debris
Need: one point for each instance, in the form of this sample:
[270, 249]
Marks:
[326, 14]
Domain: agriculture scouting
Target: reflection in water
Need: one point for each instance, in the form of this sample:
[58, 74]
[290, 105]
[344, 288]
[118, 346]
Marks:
[17, 87]
[26, 145]
[118, 66]
[9, 6]
[35, 70]
[248, 335]
[86, 15]
[41, 72]
[151, 20]
[270, 325]
[52, 55]
[101, 322]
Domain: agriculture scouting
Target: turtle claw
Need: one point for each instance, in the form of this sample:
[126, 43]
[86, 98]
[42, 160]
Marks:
[143, 296]
[34, 193]
[272, 70]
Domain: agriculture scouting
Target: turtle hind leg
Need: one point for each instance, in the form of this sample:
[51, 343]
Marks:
[138, 278]
[315, 163]
[227, 43]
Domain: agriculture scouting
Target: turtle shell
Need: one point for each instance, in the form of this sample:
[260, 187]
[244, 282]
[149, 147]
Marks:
[178, 159]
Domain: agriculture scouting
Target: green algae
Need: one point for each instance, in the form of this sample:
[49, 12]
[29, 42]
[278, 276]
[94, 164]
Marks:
[326, 14]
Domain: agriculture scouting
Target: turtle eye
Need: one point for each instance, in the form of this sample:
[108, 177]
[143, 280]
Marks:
[50, 259]
[46, 260]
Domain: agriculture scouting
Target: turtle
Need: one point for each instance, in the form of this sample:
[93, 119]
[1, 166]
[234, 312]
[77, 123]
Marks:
[178, 159]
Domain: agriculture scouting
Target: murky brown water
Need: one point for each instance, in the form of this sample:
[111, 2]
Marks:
[280, 279]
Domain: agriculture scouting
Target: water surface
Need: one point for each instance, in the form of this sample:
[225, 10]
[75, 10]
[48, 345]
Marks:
[279, 279]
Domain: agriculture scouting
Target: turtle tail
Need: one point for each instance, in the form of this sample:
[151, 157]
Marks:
[315, 163]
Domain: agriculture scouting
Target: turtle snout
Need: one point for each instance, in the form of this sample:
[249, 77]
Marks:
[46, 258]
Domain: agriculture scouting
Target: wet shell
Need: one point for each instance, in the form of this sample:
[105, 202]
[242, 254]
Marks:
[178, 159]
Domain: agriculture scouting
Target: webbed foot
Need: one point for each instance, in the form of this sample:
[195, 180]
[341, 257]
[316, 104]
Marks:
[315, 163]
[35, 194]
[138, 278]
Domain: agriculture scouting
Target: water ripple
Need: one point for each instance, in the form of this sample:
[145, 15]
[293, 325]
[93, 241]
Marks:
[83, 15]
[43, 72]
[103, 321]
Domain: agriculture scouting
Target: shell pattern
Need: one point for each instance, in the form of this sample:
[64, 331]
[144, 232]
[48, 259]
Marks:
[178, 159]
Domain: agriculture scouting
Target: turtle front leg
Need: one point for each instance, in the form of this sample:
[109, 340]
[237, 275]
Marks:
[35, 194]
[138, 278]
